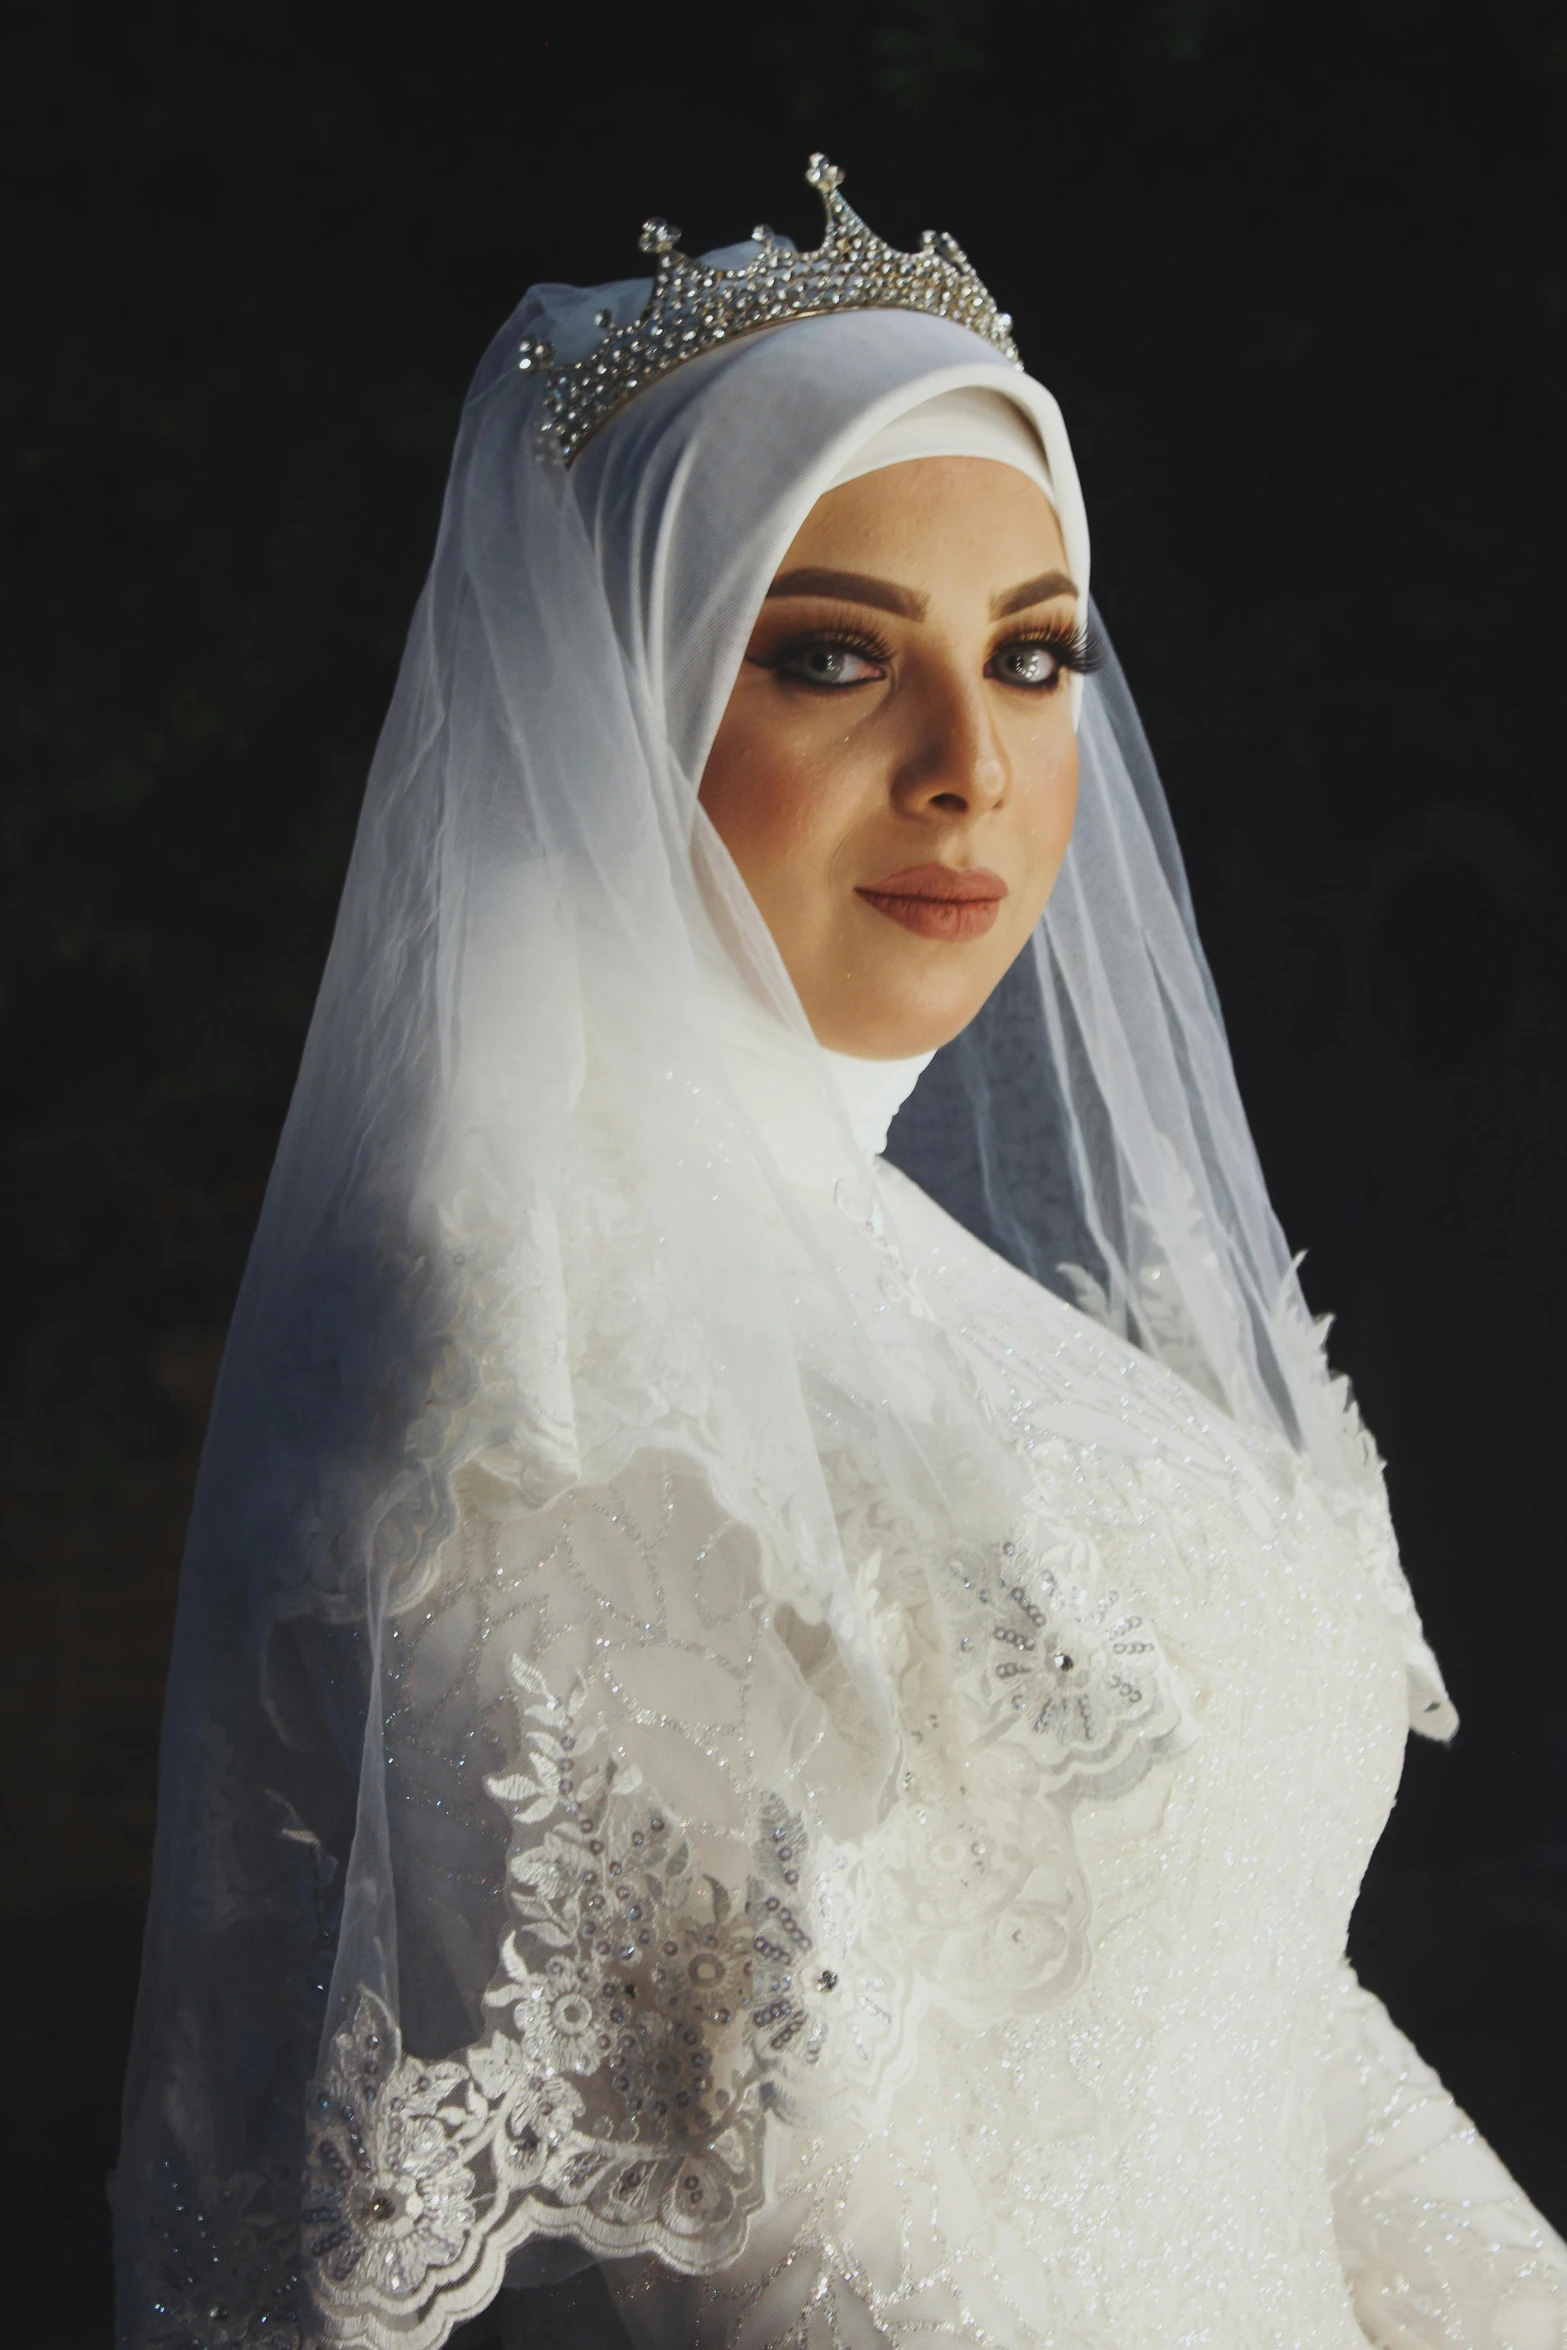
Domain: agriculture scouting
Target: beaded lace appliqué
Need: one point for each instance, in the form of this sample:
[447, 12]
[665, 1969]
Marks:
[644, 2020]
[614, 2098]
[643, 2023]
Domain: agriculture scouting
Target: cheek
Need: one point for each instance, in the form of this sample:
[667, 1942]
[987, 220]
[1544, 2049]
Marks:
[773, 791]
[1047, 807]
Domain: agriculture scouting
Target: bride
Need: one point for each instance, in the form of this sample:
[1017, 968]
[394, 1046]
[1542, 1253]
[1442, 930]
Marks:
[744, 1768]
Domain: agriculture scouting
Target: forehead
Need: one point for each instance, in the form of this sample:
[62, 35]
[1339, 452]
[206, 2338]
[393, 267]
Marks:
[931, 517]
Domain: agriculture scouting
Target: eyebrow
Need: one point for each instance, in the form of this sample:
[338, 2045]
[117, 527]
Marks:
[857, 587]
[1033, 591]
[853, 587]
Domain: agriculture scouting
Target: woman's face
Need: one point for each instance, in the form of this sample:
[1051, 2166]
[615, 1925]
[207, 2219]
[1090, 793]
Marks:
[896, 772]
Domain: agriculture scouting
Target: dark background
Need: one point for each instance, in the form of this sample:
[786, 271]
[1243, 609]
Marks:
[1299, 276]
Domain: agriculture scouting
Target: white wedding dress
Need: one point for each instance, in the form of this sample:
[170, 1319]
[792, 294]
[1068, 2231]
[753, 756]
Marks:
[1069, 2053]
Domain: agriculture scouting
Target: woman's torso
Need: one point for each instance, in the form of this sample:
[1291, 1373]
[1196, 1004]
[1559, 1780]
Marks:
[1126, 2148]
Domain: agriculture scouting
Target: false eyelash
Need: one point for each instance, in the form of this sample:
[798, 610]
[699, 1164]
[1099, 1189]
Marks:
[864, 641]
[1081, 649]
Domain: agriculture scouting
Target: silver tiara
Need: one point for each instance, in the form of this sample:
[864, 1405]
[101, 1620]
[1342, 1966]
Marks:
[694, 307]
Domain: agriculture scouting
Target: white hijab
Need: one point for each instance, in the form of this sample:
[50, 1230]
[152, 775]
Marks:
[525, 1227]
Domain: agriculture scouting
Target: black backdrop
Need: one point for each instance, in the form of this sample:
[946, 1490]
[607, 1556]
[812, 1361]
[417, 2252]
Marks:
[1299, 276]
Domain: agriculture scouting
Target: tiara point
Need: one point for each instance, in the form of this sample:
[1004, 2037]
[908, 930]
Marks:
[694, 307]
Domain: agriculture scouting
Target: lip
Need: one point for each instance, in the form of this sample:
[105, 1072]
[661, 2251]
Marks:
[939, 901]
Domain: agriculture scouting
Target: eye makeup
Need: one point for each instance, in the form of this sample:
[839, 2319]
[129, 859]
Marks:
[839, 655]
[832, 651]
[1070, 645]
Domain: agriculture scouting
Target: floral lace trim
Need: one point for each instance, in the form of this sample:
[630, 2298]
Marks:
[646, 2021]
[641, 2019]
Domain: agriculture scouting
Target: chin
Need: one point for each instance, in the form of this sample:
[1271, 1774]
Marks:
[896, 1031]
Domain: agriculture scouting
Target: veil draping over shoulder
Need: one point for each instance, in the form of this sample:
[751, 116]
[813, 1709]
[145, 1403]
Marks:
[525, 1264]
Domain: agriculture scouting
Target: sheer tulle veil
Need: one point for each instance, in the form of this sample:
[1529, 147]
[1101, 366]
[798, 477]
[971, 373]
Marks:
[522, 1231]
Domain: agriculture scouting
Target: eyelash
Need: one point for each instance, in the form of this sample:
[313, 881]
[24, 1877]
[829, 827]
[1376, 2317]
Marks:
[1079, 649]
[864, 641]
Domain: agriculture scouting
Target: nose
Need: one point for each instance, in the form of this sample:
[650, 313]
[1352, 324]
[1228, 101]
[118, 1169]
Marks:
[955, 763]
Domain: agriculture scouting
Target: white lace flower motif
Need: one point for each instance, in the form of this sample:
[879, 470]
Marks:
[554, 2013]
[389, 2196]
[700, 2201]
[536, 2111]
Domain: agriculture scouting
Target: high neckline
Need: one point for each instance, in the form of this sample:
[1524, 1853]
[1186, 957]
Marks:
[874, 1092]
[816, 1132]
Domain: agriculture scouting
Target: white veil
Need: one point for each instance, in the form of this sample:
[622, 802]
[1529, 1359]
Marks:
[539, 1359]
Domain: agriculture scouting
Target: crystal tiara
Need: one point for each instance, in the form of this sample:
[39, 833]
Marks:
[695, 306]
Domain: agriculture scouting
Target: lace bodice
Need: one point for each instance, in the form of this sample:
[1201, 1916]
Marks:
[1058, 2046]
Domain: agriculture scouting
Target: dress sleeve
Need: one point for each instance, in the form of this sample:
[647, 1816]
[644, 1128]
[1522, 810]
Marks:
[604, 1733]
[1440, 2248]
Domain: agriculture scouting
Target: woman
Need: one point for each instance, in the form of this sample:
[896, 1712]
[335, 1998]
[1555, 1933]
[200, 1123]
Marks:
[742, 1768]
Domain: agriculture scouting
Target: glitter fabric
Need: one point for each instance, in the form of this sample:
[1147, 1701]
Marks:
[1062, 2050]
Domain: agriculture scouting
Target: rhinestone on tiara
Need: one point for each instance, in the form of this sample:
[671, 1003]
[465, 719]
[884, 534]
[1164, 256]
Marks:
[694, 307]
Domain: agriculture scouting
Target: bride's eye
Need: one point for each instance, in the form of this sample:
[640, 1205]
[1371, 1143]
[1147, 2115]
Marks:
[1035, 664]
[828, 663]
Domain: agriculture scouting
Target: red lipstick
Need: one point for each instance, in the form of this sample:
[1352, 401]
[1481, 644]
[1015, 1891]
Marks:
[939, 901]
